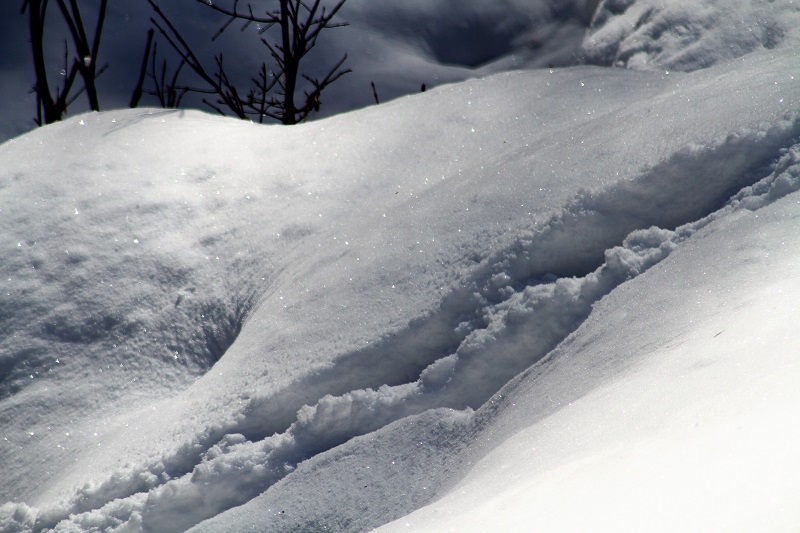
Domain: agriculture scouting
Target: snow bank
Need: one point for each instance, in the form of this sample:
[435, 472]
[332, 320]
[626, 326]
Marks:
[685, 36]
[517, 326]
[682, 416]
[203, 313]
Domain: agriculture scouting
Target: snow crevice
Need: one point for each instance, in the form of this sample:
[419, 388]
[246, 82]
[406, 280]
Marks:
[515, 308]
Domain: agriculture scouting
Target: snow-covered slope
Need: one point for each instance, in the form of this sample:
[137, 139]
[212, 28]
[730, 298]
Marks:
[672, 408]
[216, 324]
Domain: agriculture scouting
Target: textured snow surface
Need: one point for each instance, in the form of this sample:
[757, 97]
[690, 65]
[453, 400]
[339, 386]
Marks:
[684, 401]
[687, 35]
[558, 298]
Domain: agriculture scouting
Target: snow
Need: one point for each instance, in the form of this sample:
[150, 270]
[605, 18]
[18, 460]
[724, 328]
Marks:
[686, 388]
[684, 36]
[551, 297]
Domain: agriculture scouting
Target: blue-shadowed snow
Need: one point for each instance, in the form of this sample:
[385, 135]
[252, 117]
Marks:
[502, 290]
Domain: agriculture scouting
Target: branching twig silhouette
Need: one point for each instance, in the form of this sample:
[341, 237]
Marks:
[275, 91]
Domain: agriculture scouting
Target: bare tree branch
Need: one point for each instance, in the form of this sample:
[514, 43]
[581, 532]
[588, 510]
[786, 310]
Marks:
[274, 93]
[139, 89]
[234, 13]
[49, 108]
[87, 52]
[218, 82]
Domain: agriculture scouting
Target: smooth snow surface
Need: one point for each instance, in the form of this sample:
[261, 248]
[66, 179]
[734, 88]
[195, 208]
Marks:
[555, 299]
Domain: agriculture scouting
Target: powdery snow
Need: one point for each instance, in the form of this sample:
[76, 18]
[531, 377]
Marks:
[681, 418]
[690, 35]
[557, 298]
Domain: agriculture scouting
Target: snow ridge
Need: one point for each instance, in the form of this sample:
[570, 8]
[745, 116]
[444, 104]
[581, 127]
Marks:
[518, 305]
[641, 250]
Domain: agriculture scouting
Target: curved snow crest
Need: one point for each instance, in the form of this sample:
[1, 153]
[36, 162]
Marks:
[686, 36]
[522, 267]
[516, 332]
[524, 303]
[686, 186]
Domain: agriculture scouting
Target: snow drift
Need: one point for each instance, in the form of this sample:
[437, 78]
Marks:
[213, 324]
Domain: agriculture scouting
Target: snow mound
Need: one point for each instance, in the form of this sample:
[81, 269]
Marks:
[649, 34]
[304, 500]
[206, 317]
